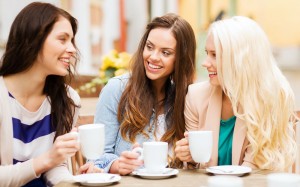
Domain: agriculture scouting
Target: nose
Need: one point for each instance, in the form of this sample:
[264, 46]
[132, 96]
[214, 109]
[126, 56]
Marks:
[71, 48]
[155, 56]
[206, 63]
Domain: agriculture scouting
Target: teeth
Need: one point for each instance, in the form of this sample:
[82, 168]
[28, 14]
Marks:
[65, 60]
[212, 73]
[154, 66]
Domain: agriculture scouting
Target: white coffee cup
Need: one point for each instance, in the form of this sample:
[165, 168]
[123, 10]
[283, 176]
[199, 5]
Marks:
[283, 180]
[225, 181]
[155, 156]
[91, 138]
[200, 144]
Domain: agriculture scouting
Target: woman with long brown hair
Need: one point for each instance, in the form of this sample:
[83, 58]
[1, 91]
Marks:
[148, 103]
[37, 107]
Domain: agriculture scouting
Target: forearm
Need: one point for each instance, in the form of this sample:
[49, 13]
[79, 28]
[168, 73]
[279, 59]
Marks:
[58, 174]
[41, 164]
[18, 174]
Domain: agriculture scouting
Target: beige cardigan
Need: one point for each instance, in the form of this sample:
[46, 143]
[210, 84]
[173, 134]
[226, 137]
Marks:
[203, 112]
[21, 173]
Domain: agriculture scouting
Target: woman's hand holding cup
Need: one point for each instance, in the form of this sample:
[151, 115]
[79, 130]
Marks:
[127, 162]
[182, 149]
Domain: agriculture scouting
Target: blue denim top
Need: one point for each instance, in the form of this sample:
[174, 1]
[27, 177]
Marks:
[106, 113]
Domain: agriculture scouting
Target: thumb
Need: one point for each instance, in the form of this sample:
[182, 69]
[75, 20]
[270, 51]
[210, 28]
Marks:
[186, 134]
[74, 129]
[136, 144]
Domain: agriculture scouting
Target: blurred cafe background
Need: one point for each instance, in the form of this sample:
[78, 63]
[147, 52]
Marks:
[114, 27]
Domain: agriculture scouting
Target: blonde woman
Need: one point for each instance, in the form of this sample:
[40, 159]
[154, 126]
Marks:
[247, 103]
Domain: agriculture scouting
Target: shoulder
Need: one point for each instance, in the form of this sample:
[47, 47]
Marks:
[201, 92]
[200, 88]
[73, 95]
[122, 79]
[117, 83]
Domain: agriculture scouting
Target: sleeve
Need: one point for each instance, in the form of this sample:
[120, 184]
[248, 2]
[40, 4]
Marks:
[248, 159]
[106, 113]
[190, 112]
[18, 174]
[61, 172]
[58, 174]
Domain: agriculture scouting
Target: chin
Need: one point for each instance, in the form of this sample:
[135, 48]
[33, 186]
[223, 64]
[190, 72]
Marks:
[65, 73]
[214, 83]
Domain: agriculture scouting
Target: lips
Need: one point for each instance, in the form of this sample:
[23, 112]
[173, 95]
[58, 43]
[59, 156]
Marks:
[65, 60]
[212, 73]
[154, 66]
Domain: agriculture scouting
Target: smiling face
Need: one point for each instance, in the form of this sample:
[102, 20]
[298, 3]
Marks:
[58, 49]
[159, 54]
[210, 61]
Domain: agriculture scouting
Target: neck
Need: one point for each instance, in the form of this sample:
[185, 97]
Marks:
[25, 84]
[227, 111]
[159, 89]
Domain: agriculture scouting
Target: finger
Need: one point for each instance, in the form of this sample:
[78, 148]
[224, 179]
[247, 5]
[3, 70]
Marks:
[68, 136]
[182, 142]
[67, 144]
[83, 168]
[186, 159]
[124, 171]
[127, 167]
[98, 170]
[65, 152]
[186, 134]
[129, 164]
[130, 155]
[136, 144]
[90, 169]
[74, 129]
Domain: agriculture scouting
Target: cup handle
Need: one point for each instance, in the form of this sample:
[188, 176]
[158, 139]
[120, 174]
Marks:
[139, 150]
[77, 134]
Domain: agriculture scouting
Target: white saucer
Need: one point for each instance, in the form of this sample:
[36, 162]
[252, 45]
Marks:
[229, 170]
[168, 172]
[97, 179]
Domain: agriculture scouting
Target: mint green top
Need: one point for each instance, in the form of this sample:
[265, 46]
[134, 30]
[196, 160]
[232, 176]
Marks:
[225, 141]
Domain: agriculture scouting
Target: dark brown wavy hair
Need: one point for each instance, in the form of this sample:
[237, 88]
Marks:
[26, 39]
[138, 99]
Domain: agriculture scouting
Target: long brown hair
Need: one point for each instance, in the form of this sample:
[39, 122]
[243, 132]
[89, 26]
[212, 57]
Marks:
[138, 99]
[26, 39]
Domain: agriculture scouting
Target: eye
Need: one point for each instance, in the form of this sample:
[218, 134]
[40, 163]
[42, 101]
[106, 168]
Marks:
[63, 40]
[166, 53]
[149, 47]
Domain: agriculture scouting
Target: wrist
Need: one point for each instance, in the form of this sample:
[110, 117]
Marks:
[114, 168]
[42, 164]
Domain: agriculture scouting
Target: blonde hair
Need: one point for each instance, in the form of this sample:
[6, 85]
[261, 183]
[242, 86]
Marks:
[259, 92]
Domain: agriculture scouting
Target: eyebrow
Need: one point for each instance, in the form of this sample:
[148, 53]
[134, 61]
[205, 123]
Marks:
[164, 48]
[66, 34]
[208, 50]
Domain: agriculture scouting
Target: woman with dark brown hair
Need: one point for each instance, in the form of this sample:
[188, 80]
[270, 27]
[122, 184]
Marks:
[37, 107]
[148, 103]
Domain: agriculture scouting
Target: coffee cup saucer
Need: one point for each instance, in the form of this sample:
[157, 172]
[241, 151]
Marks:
[97, 179]
[229, 170]
[167, 172]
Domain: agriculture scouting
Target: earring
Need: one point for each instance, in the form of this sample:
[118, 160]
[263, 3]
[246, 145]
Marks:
[171, 79]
